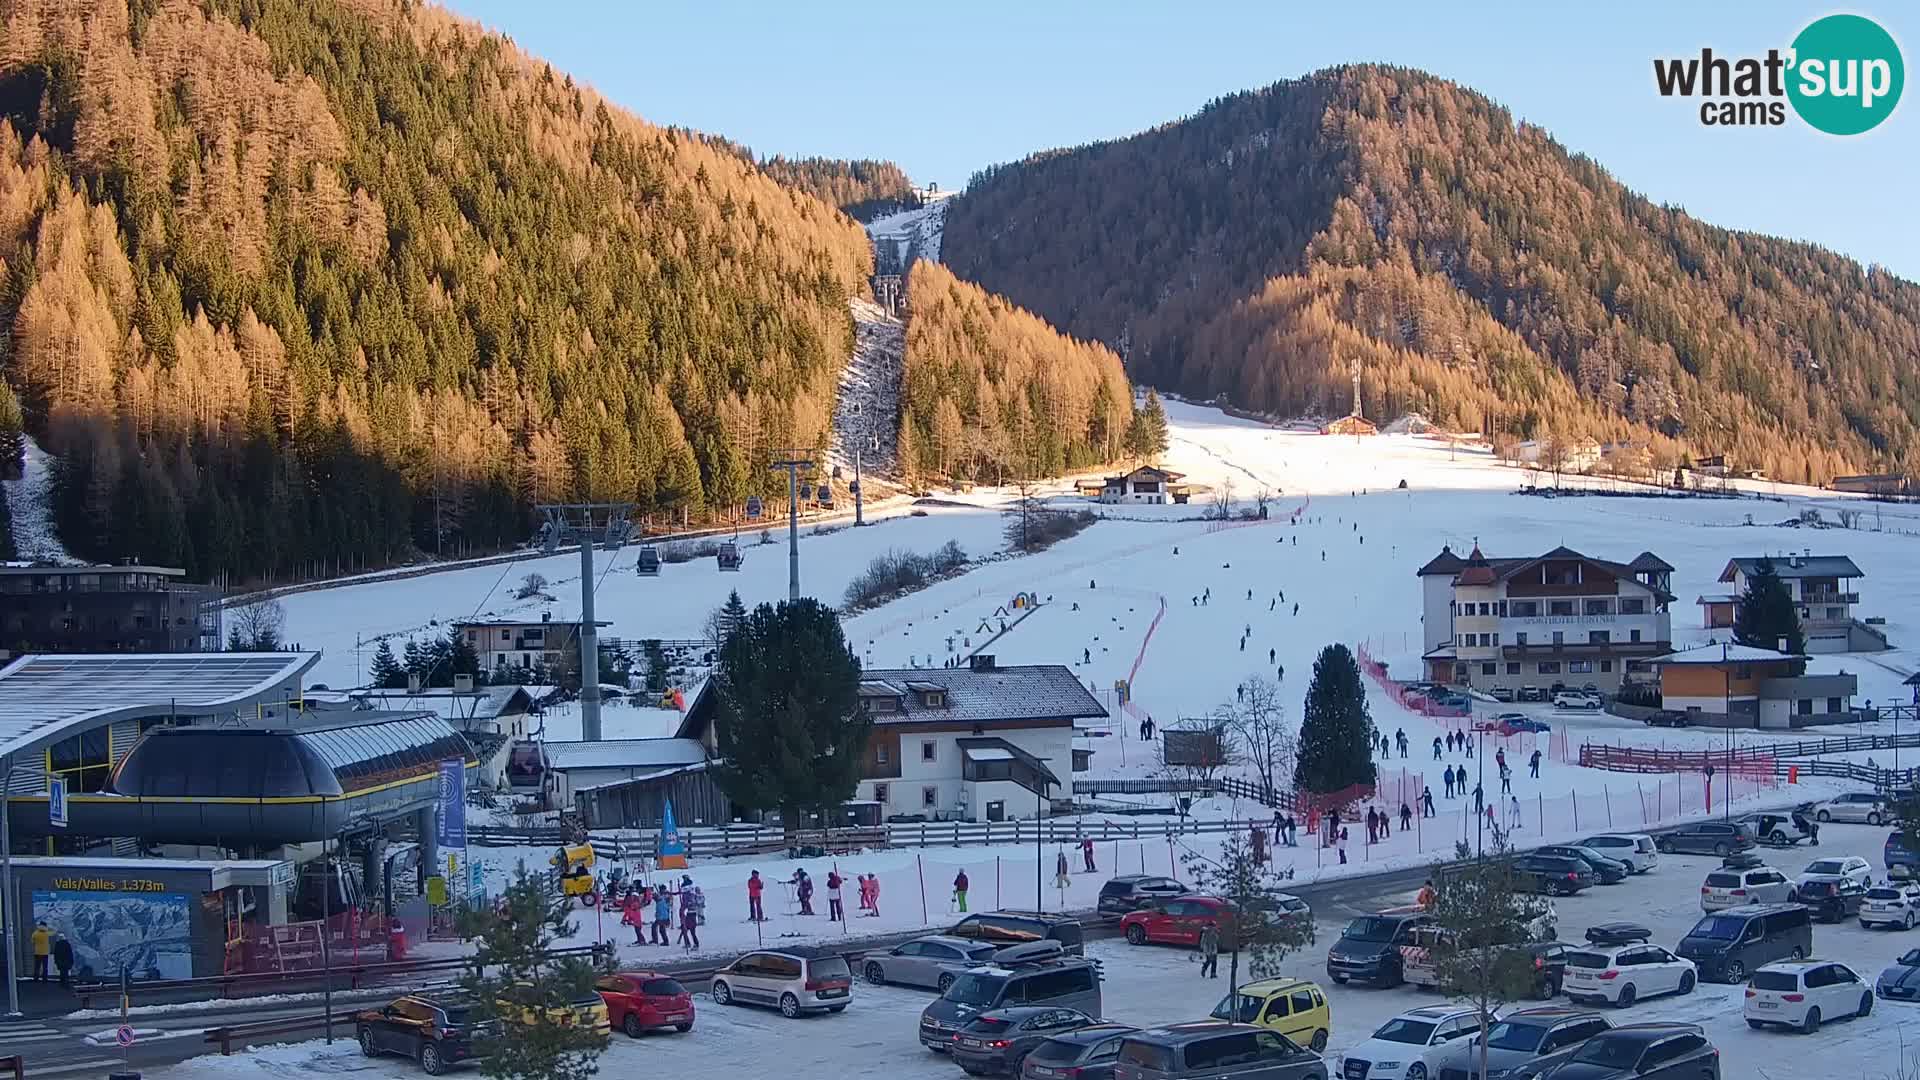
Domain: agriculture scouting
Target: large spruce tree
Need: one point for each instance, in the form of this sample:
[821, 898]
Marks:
[789, 731]
[1764, 616]
[386, 672]
[1336, 731]
[1147, 434]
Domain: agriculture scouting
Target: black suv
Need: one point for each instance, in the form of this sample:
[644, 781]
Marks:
[1832, 897]
[1019, 927]
[1369, 948]
[1636, 1052]
[1609, 871]
[438, 1030]
[1132, 892]
[1518, 1040]
[1555, 875]
[1705, 838]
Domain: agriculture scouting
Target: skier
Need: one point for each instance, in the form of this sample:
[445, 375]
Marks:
[662, 916]
[689, 925]
[960, 891]
[1533, 764]
[836, 911]
[1426, 801]
[1296, 610]
[1086, 852]
[1249, 594]
[632, 915]
[1206, 594]
[1323, 554]
[1450, 742]
[754, 887]
[1086, 656]
[803, 890]
[1506, 780]
[1243, 644]
[1436, 748]
[873, 895]
[1240, 692]
[1406, 817]
[1500, 756]
[1373, 825]
[1090, 583]
[1270, 604]
[1466, 742]
[1513, 813]
[1447, 779]
[1400, 740]
[1386, 825]
[1479, 799]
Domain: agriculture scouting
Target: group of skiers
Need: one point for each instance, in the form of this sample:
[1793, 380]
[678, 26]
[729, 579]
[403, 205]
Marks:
[866, 888]
[649, 909]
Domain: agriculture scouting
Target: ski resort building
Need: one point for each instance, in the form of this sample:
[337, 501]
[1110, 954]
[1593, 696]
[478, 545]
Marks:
[1145, 484]
[1560, 617]
[1823, 591]
[508, 643]
[110, 608]
[1725, 684]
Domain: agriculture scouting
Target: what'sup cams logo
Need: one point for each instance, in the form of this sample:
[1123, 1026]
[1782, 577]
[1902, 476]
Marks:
[1842, 75]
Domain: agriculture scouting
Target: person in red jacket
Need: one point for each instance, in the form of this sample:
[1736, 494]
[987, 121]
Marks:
[960, 891]
[754, 886]
[630, 914]
[1086, 852]
[836, 912]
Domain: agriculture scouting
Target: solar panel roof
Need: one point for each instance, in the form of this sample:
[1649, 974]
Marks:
[45, 698]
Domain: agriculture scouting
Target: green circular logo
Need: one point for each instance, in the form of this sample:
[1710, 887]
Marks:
[1846, 74]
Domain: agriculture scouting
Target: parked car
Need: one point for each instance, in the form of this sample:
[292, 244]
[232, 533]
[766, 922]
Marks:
[933, 961]
[1741, 880]
[1532, 693]
[641, 1001]
[1020, 927]
[1726, 945]
[1501, 693]
[1851, 867]
[1802, 994]
[1518, 1038]
[1607, 870]
[1038, 973]
[1087, 1053]
[1705, 838]
[1667, 718]
[1293, 1007]
[1776, 829]
[997, 1042]
[1901, 979]
[1901, 861]
[1864, 807]
[1210, 1049]
[797, 980]
[1637, 1052]
[1636, 850]
[1369, 948]
[1619, 967]
[1409, 1044]
[1575, 699]
[1131, 892]
[1555, 875]
[1178, 921]
[437, 1030]
[1546, 956]
[1831, 898]
[521, 1003]
[1895, 904]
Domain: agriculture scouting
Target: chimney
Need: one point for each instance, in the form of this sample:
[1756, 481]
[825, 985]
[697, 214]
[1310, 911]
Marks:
[980, 662]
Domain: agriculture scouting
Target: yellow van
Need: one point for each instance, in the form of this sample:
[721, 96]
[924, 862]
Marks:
[1295, 1008]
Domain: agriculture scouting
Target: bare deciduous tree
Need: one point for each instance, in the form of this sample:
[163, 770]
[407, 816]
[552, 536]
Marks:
[256, 627]
[1223, 498]
[1258, 722]
[531, 586]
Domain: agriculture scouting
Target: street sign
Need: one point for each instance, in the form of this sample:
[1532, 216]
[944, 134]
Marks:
[436, 890]
[57, 802]
[123, 1036]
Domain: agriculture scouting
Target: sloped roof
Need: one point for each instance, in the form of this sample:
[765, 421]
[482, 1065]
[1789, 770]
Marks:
[1648, 561]
[624, 753]
[1810, 566]
[1710, 653]
[987, 748]
[1444, 563]
[1026, 692]
[45, 698]
[1479, 570]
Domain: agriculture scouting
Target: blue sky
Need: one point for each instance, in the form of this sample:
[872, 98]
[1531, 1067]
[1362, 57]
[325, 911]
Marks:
[945, 89]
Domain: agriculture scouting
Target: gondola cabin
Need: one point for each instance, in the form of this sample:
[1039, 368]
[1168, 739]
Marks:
[648, 561]
[728, 556]
[826, 497]
[754, 508]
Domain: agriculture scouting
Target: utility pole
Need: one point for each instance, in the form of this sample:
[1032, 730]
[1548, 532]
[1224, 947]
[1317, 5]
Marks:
[9, 900]
[794, 462]
[587, 523]
[859, 489]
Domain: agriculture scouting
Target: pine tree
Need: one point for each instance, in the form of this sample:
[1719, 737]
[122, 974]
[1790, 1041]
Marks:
[789, 730]
[1336, 731]
[1147, 434]
[459, 659]
[515, 980]
[386, 672]
[1764, 616]
[13, 442]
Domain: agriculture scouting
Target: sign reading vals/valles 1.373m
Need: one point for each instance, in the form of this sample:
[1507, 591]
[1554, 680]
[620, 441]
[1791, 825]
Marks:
[452, 830]
[1842, 75]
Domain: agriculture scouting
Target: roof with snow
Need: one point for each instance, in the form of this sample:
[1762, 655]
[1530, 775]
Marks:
[1712, 653]
[987, 748]
[1797, 566]
[624, 754]
[45, 698]
[1444, 563]
[1478, 569]
[1024, 692]
[480, 703]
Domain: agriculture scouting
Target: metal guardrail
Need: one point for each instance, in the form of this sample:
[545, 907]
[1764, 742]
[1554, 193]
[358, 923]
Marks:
[224, 1037]
[1805, 748]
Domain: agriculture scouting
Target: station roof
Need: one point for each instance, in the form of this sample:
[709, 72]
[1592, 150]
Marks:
[46, 697]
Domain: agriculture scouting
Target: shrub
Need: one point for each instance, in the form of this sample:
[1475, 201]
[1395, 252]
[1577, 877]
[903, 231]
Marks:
[897, 573]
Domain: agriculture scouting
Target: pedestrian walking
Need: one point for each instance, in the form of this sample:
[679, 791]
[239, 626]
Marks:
[62, 956]
[754, 888]
[1210, 952]
[1269, 656]
[960, 891]
[1466, 742]
[1479, 800]
[1533, 765]
[1449, 742]
[1086, 852]
[1436, 748]
[836, 911]
[1426, 801]
[1386, 825]
[1373, 825]
[1060, 878]
[42, 948]
[1446, 778]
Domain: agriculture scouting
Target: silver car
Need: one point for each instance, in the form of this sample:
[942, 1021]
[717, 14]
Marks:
[1856, 806]
[933, 961]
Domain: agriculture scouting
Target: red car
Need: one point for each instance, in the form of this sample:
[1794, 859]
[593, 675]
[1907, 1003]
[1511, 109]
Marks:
[642, 1001]
[1174, 921]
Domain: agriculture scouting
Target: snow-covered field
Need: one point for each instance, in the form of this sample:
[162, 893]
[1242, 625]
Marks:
[1146, 986]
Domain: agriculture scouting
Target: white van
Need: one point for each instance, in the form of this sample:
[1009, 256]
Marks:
[1634, 849]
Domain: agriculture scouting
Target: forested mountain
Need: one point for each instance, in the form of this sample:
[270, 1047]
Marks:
[1471, 267]
[864, 189]
[293, 286]
[991, 392]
